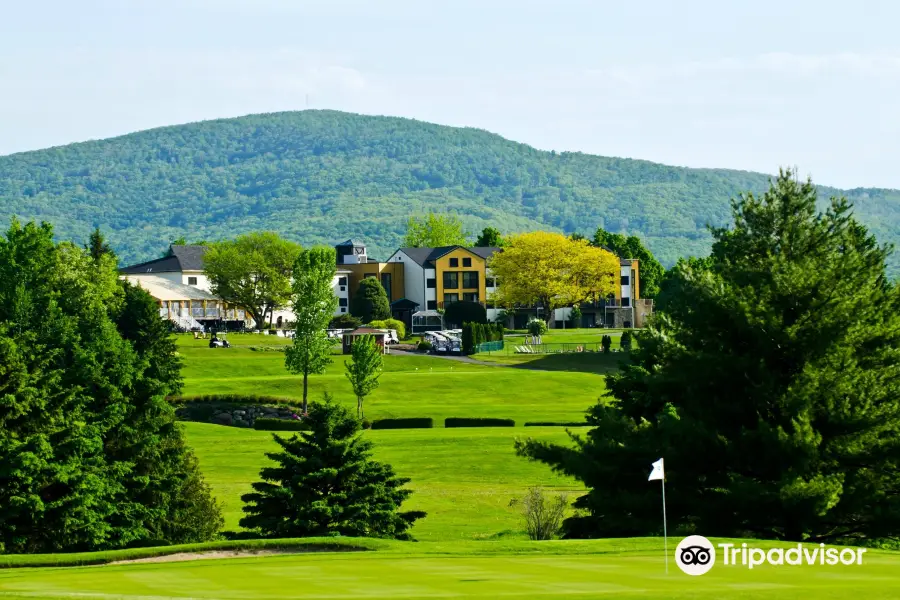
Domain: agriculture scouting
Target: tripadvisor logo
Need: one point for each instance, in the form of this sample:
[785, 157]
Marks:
[696, 555]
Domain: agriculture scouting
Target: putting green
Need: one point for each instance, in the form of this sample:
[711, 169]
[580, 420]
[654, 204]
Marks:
[595, 569]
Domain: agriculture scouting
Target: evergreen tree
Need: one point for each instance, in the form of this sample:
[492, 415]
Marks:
[364, 368]
[468, 338]
[97, 246]
[79, 459]
[325, 482]
[606, 343]
[625, 341]
[650, 270]
[771, 386]
[370, 302]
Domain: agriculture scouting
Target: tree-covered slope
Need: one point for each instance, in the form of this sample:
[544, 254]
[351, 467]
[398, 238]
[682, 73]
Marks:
[324, 176]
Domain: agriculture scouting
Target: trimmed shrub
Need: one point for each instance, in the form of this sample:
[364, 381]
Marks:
[477, 422]
[424, 346]
[468, 338]
[625, 341]
[398, 326]
[556, 424]
[268, 424]
[344, 321]
[536, 327]
[232, 399]
[408, 423]
[606, 343]
[458, 313]
[370, 302]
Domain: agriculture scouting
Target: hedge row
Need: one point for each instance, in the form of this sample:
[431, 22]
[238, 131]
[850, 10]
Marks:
[232, 399]
[556, 424]
[270, 424]
[475, 422]
[410, 423]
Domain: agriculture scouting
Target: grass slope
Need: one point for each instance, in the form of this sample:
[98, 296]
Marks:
[463, 478]
[589, 569]
[411, 386]
[323, 176]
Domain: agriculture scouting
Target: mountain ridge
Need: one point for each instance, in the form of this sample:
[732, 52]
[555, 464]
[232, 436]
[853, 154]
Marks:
[323, 176]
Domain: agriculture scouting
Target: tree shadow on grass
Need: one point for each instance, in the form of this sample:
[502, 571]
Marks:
[580, 362]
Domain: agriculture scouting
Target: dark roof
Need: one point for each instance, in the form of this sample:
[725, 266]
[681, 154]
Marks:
[404, 303]
[190, 257]
[180, 258]
[366, 331]
[350, 242]
[625, 262]
[427, 256]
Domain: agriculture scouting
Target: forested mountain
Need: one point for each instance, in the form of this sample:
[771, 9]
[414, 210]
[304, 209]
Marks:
[325, 176]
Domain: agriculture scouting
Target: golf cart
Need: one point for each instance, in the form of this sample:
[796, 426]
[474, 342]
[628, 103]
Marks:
[219, 341]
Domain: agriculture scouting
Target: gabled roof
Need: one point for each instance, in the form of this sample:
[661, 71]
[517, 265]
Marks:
[179, 259]
[426, 256]
[165, 289]
[350, 242]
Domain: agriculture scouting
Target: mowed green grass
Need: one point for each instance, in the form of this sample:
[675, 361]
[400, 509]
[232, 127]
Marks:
[463, 478]
[410, 386]
[550, 570]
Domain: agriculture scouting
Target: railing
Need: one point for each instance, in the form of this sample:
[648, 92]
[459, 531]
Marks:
[444, 305]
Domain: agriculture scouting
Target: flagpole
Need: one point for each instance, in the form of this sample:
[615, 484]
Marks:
[665, 533]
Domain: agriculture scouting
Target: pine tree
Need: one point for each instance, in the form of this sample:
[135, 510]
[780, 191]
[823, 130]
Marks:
[97, 246]
[325, 482]
[88, 446]
[771, 386]
[370, 302]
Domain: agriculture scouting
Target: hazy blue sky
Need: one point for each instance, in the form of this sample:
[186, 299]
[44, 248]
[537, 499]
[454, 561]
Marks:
[747, 85]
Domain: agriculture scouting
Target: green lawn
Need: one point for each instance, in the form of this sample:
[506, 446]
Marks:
[463, 478]
[411, 386]
[588, 569]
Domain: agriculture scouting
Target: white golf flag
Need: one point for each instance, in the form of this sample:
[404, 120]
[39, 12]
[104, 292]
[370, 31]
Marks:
[657, 472]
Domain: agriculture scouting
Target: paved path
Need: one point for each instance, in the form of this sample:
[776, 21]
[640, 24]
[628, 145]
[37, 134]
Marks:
[456, 357]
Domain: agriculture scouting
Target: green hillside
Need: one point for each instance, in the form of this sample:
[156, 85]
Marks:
[324, 176]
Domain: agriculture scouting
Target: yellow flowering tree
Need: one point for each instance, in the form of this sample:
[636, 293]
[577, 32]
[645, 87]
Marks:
[552, 270]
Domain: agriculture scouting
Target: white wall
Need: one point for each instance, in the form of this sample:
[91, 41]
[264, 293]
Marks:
[413, 279]
[626, 289]
[342, 292]
[173, 277]
[202, 279]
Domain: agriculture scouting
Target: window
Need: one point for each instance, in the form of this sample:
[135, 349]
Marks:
[451, 280]
[386, 284]
[343, 309]
[490, 282]
[470, 280]
[626, 302]
[192, 281]
[432, 305]
[342, 302]
[467, 262]
[431, 283]
[342, 281]
[448, 298]
[470, 297]
[625, 279]
[454, 262]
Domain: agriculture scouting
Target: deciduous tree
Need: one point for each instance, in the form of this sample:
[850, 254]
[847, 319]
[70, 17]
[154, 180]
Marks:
[490, 237]
[364, 369]
[651, 271]
[253, 271]
[770, 385]
[553, 271]
[313, 303]
[324, 482]
[434, 231]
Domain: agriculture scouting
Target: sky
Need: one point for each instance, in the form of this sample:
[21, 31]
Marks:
[812, 84]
